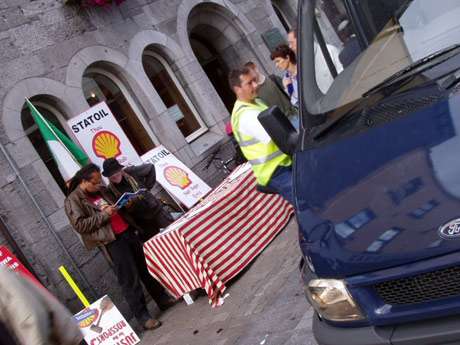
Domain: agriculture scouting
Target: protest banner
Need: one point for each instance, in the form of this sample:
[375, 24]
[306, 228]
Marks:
[174, 176]
[101, 136]
[9, 260]
[102, 324]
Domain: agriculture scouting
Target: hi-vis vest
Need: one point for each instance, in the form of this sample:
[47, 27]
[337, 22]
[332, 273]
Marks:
[264, 157]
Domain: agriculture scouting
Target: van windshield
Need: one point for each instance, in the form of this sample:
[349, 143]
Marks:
[395, 34]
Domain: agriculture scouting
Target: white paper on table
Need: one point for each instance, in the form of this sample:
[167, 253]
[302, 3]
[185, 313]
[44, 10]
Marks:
[197, 210]
[237, 173]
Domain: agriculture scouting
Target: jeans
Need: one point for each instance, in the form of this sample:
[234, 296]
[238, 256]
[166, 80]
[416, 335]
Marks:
[130, 268]
[281, 181]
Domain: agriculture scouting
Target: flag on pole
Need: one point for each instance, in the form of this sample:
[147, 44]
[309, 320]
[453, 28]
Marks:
[67, 155]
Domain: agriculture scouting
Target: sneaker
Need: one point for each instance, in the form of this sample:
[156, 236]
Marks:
[151, 324]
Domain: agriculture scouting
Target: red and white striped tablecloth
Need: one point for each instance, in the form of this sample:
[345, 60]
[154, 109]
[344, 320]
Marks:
[215, 240]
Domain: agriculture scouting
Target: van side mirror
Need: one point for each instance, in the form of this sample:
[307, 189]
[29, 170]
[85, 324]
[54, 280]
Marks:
[280, 129]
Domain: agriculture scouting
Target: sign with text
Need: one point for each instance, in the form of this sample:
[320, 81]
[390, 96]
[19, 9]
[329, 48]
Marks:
[102, 324]
[9, 260]
[101, 136]
[176, 177]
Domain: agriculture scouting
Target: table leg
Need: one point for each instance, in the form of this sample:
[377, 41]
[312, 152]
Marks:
[188, 299]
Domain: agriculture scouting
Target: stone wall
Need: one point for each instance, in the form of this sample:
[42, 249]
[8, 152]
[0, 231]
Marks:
[45, 48]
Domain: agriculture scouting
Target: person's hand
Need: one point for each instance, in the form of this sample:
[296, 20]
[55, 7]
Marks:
[286, 81]
[130, 203]
[109, 209]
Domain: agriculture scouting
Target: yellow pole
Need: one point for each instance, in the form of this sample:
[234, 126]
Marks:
[74, 286]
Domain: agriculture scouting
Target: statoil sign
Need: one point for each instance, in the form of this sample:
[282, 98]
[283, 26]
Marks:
[101, 136]
[176, 177]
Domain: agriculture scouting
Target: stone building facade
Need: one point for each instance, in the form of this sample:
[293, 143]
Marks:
[143, 58]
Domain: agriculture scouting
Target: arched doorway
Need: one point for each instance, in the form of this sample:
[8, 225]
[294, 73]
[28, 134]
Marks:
[100, 85]
[286, 12]
[219, 45]
[215, 68]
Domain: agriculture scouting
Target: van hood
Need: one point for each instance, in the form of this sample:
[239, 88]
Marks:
[377, 199]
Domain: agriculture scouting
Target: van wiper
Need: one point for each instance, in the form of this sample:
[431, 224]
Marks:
[415, 68]
[329, 126]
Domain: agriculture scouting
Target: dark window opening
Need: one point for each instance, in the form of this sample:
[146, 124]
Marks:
[98, 88]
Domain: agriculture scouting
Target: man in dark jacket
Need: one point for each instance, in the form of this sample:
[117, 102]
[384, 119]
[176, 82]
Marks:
[145, 209]
[89, 207]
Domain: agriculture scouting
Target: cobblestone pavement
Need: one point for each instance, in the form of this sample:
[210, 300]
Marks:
[266, 306]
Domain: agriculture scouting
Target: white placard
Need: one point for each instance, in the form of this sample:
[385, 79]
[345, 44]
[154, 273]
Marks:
[176, 177]
[101, 136]
[102, 324]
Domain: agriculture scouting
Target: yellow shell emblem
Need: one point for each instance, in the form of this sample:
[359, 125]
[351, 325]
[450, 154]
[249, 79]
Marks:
[177, 177]
[86, 317]
[106, 145]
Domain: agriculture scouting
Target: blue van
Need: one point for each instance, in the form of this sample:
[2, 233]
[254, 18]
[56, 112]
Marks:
[377, 169]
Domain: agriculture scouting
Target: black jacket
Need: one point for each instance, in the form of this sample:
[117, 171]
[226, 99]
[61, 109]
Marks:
[144, 176]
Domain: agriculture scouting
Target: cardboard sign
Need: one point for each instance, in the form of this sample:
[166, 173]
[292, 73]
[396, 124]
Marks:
[9, 260]
[102, 324]
[176, 177]
[101, 136]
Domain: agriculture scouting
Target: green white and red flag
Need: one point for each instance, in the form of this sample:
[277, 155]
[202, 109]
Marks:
[68, 156]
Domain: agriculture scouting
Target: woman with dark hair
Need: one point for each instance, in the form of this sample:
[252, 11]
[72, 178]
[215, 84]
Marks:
[285, 60]
[89, 207]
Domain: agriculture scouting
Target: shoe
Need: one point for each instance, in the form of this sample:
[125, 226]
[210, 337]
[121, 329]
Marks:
[151, 324]
[167, 303]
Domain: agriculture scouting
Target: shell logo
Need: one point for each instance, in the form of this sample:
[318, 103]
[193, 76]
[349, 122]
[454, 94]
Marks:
[177, 177]
[87, 317]
[106, 145]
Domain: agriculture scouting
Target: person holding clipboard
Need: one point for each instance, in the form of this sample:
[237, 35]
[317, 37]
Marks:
[90, 207]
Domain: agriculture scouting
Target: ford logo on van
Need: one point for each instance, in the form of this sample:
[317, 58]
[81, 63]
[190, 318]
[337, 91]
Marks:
[450, 230]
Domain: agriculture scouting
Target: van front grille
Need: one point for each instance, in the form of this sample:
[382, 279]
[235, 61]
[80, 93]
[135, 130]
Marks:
[425, 287]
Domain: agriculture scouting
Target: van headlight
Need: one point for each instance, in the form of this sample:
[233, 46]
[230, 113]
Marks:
[332, 301]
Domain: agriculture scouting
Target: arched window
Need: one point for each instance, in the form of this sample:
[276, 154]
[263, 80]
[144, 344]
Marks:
[101, 86]
[35, 137]
[172, 94]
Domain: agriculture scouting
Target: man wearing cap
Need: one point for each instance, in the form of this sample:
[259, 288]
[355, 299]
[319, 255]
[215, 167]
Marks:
[145, 209]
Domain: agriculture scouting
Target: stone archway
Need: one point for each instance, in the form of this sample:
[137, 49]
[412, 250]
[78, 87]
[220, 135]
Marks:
[214, 66]
[286, 12]
[234, 41]
[219, 45]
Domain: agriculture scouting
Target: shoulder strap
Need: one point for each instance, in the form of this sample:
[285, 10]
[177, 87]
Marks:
[279, 83]
[132, 181]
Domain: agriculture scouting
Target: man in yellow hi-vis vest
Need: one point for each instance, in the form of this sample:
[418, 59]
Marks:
[272, 168]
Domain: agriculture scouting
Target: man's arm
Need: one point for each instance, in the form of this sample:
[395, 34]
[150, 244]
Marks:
[145, 172]
[81, 223]
[250, 125]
